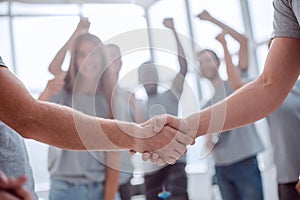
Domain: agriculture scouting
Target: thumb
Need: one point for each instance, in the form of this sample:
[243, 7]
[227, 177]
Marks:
[160, 121]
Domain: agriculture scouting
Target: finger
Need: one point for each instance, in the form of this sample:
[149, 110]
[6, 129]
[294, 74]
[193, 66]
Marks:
[158, 123]
[181, 149]
[160, 162]
[146, 156]
[184, 139]
[154, 157]
[170, 160]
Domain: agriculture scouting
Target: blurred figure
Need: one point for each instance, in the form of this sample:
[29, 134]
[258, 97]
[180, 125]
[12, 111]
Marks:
[283, 126]
[124, 107]
[172, 177]
[81, 174]
[234, 152]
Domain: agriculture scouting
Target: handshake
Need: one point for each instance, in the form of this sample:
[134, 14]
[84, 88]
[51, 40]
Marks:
[162, 139]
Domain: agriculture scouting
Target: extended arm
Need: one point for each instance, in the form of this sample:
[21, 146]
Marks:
[258, 98]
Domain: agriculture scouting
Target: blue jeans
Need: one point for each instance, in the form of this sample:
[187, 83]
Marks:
[240, 181]
[63, 190]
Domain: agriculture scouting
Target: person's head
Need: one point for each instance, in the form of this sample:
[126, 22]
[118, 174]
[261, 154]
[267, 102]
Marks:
[148, 77]
[87, 60]
[209, 63]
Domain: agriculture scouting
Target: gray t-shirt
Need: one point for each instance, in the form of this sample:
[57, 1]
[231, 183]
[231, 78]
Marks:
[286, 18]
[237, 144]
[14, 159]
[284, 126]
[79, 166]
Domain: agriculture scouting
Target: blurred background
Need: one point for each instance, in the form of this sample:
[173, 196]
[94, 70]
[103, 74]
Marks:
[32, 31]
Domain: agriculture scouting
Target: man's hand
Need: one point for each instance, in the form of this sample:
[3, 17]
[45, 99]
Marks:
[169, 23]
[13, 188]
[181, 137]
[204, 15]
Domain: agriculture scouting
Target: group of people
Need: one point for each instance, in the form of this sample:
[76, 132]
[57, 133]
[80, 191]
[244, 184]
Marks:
[90, 86]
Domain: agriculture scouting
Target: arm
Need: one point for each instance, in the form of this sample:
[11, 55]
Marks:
[241, 39]
[258, 98]
[179, 79]
[112, 175]
[56, 63]
[234, 78]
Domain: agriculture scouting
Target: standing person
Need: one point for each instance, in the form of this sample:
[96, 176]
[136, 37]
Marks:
[77, 174]
[234, 152]
[172, 177]
[124, 107]
[262, 96]
[283, 125]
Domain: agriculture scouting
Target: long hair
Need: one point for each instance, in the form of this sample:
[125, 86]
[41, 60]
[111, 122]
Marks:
[73, 68]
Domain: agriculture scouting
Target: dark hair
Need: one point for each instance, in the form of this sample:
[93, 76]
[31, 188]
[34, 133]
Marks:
[73, 68]
[216, 57]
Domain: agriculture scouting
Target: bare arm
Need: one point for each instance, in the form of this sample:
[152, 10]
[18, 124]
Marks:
[234, 78]
[112, 175]
[240, 38]
[258, 98]
[56, 63]
[179, 79]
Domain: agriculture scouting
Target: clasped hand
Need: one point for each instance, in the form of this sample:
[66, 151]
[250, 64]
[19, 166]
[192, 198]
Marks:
[164, 139]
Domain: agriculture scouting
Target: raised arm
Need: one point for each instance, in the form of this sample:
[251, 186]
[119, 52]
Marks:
[240, 38]
[179, 79]
[234, 78]
[56, 63]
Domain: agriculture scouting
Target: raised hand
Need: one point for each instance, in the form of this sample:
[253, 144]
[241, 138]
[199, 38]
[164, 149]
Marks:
[83, 25]
[169, 23]
[204, 15]
[221, 37]
[12, 188]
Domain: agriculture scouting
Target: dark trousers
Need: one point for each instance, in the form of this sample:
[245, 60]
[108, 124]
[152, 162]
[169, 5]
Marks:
[241, 180]
[173, 177]
[288, 192]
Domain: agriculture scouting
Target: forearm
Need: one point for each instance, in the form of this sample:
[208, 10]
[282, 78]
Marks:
[180, 54]
[236, 35]
[56, 63]
[233, 74]
[112, 175]
[258, 98]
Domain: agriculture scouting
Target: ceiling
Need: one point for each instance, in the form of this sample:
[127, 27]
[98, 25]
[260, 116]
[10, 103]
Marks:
[143, 3]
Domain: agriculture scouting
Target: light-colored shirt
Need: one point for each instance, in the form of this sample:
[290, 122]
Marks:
[79, 166]
[235, 145]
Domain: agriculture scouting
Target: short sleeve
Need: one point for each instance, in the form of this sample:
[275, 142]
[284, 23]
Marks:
[2, 64]
[285, 22]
